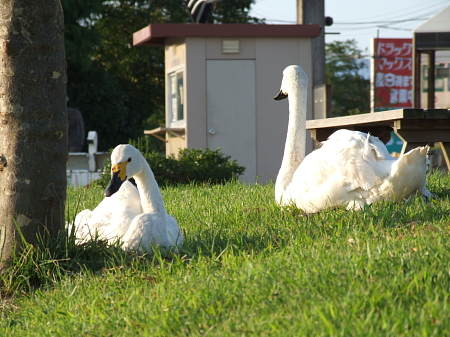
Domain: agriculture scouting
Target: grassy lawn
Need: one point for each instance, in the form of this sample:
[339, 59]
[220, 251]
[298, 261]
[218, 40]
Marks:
[249, 268]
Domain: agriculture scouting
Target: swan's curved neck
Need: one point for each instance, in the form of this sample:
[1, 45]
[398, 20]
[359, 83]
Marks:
[151, 198]
[294, 150]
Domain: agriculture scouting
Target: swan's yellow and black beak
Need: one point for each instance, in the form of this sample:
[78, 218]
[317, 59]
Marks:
[281, 95]
[118, 176]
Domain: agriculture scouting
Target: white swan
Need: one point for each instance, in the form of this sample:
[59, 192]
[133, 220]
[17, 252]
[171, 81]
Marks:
[350, 169]
[139, 216]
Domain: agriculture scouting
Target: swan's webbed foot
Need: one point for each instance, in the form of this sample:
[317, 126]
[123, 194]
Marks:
[427, 198]
[426, 195]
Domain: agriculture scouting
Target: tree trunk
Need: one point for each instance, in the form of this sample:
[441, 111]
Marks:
[33, 121]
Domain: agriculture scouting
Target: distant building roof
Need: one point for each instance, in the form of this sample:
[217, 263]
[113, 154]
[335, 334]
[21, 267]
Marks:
[436, 24]
[155, 34]
[434, 34]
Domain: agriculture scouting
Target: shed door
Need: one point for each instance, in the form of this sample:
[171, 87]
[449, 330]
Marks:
[231, 111]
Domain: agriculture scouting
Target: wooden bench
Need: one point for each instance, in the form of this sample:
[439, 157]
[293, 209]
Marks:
[416, 127]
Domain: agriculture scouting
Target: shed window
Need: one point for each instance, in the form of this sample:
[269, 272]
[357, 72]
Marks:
[176, 98]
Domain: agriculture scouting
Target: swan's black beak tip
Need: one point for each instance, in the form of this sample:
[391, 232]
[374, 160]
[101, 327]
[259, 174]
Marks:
[281, 95]
[114, 186]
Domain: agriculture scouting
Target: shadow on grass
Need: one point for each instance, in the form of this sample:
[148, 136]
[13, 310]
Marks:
[52, 259]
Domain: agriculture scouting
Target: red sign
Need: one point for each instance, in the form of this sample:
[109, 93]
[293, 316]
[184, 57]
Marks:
[392, 73]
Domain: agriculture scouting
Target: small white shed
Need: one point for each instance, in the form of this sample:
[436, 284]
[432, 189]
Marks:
[220, 84]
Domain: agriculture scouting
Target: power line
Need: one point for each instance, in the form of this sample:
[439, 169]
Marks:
[378, 22]
[412, 11]
[417, 13]
[426, 16]
[394, 28]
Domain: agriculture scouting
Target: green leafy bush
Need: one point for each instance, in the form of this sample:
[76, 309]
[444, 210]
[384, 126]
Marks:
[194, 165]
[191, 165]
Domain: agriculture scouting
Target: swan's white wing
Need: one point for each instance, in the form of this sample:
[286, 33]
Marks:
[408, 176]
[362, 158]
[112, 217]
[346, 170]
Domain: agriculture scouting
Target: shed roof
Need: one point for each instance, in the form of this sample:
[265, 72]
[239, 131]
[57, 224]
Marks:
[156, 33]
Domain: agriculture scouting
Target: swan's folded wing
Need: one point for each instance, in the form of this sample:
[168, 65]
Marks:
[111, 218]
[361, 158]
[346, 169]
[408, 175]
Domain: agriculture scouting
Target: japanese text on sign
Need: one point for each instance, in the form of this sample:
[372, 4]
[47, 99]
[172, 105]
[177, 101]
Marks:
[393, 73]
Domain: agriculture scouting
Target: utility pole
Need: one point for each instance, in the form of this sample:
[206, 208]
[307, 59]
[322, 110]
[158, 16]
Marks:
[313, 11]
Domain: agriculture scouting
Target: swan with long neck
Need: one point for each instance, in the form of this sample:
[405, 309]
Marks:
[351, 169]
[138, 217]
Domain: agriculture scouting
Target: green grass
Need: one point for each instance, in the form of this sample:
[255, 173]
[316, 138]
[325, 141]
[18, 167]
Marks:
[249, 268]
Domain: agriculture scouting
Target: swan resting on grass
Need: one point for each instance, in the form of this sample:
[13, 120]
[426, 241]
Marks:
[137, 217]
[350, 169]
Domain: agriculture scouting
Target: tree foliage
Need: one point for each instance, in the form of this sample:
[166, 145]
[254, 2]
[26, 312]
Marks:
[233, 11]
[79, 37]
[344, 71]
[120, 92]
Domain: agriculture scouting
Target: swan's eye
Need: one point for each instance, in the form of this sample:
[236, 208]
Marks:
[129, 159]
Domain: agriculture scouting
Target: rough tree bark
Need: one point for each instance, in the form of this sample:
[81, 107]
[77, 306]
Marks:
[33, 121]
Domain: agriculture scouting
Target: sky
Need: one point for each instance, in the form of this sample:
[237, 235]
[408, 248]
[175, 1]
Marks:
[361, 20]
